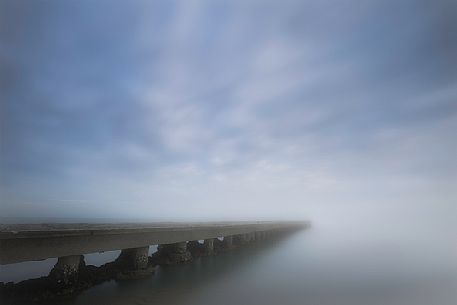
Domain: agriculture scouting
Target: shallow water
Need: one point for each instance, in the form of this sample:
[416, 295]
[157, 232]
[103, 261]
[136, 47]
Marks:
[327, 264]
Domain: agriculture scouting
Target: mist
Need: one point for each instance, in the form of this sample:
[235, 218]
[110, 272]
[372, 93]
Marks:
[343, 113]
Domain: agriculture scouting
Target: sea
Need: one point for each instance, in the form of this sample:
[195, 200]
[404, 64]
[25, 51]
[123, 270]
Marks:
[377, 261]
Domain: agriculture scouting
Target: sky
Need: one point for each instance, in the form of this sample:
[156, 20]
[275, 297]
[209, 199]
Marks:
[227, 109]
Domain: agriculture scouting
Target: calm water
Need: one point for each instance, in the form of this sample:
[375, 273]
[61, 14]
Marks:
[327, 264]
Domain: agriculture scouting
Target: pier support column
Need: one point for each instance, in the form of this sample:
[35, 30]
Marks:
[195, 248]
[227, 243]
[66, 270]
[240, 239]
[208, 246]
[258, 236]
[133, 263]
[134, 258]
[170, 254]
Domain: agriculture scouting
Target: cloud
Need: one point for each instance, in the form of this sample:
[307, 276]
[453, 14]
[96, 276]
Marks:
[260, 106]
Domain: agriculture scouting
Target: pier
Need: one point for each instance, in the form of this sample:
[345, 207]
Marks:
[176, 243]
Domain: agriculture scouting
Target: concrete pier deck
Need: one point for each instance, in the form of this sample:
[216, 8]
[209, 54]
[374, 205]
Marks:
[31, 242]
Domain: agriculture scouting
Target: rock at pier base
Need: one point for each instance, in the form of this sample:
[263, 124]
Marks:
[172, 254]
[195, 248]
[66, 271]
[133, 264]
[135, 258]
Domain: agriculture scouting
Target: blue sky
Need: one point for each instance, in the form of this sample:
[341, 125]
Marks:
[226, 109]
